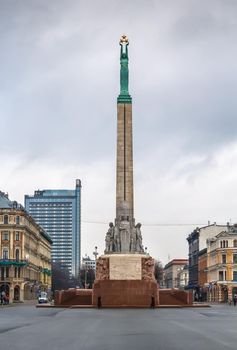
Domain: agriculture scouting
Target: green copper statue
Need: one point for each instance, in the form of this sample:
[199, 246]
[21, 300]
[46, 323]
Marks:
[124, 96]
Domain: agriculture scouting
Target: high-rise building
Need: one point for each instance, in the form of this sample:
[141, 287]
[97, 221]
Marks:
[59, 213]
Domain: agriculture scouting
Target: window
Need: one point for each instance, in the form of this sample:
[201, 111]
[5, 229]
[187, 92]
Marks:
[17, 272]
[235, 243]
[223, 258]
[235, 258]
[221, 275]
[5, 219]
[5, 254]
[5, 236]
[17, 236]
[234, 275]
[2, 273]
[226, 244]
[17, 254]
[17, 219]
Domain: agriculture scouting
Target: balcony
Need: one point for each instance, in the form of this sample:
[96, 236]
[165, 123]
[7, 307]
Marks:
[12, 262]
[46, 271]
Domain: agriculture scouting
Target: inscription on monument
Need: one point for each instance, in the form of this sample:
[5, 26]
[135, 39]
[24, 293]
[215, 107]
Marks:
[125, 267]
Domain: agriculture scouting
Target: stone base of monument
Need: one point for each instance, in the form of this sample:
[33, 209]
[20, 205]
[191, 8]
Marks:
[73, 296]
[133, 293]
[125, 280]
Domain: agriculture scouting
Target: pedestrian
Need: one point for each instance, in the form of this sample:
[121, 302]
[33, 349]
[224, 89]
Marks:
[99, 303]
[152, 302]
[3, 294]
[235, 299]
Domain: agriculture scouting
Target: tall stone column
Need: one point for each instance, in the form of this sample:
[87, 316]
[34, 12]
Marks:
[124, 181]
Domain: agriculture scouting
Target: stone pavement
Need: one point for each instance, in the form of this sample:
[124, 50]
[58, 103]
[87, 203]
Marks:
[27, 327]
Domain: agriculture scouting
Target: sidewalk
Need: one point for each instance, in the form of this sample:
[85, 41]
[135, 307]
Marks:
[25, 303]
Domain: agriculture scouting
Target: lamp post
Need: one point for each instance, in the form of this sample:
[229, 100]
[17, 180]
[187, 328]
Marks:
[95, 253]
[85, 277]
[27, 257]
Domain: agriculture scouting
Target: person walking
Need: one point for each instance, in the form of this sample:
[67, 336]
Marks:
[3, 295]
[235, 299]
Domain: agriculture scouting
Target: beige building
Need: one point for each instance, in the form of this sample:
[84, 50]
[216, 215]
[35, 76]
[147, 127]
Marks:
[222, 265]
[172, 272]
[25, 253]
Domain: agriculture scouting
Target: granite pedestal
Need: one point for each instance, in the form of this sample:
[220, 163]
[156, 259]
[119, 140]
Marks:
[125, 280]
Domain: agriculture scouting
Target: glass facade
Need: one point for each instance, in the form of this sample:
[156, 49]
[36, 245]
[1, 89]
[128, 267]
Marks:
[59, 213]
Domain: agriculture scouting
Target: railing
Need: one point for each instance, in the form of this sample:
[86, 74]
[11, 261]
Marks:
[8, 262]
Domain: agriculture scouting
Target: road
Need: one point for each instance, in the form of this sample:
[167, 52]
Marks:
[30, 328]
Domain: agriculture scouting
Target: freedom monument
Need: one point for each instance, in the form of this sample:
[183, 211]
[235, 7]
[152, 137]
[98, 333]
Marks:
[124, 273]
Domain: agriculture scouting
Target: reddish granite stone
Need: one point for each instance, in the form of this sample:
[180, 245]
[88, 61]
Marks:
[73, 297]
[122, 293]
[175, 297]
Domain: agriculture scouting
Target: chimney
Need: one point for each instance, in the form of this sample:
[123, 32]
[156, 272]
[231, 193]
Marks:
[78, 183]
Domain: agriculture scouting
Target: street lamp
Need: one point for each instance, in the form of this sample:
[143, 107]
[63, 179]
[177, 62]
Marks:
[85, 277]
[95, 253]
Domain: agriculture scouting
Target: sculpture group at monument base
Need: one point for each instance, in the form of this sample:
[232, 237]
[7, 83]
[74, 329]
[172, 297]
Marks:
[124, 280]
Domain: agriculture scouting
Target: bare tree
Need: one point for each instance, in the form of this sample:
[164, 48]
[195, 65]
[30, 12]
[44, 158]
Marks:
[159, 273]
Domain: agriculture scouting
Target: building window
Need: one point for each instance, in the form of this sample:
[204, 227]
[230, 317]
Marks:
[5, 236]
[5, 253]
[18, 220]
[19, 272]
[235, 243]
[234, 275]
[7, 272]
[221, 275]
[235, 258]
[17, 254]
[15, 272]
[5, 219]
[223, 258]
[17, 236]
[2, 273]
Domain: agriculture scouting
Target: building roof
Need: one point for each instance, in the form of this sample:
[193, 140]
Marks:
[5, 202]
[176, 262]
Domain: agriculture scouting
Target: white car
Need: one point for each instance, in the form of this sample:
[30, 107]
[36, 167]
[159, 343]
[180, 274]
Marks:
[43, 298]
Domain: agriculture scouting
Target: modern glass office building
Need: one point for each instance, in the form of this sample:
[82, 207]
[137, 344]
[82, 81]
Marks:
[59, 213]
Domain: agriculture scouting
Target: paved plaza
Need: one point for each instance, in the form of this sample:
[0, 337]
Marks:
[30, 328]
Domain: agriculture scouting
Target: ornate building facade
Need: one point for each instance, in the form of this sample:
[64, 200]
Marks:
[25, 253]
[222, 265]
[198, 259]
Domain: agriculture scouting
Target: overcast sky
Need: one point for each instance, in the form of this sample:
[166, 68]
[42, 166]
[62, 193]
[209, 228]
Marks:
[59, 69]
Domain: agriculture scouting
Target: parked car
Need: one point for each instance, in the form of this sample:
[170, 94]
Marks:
[43, 298]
